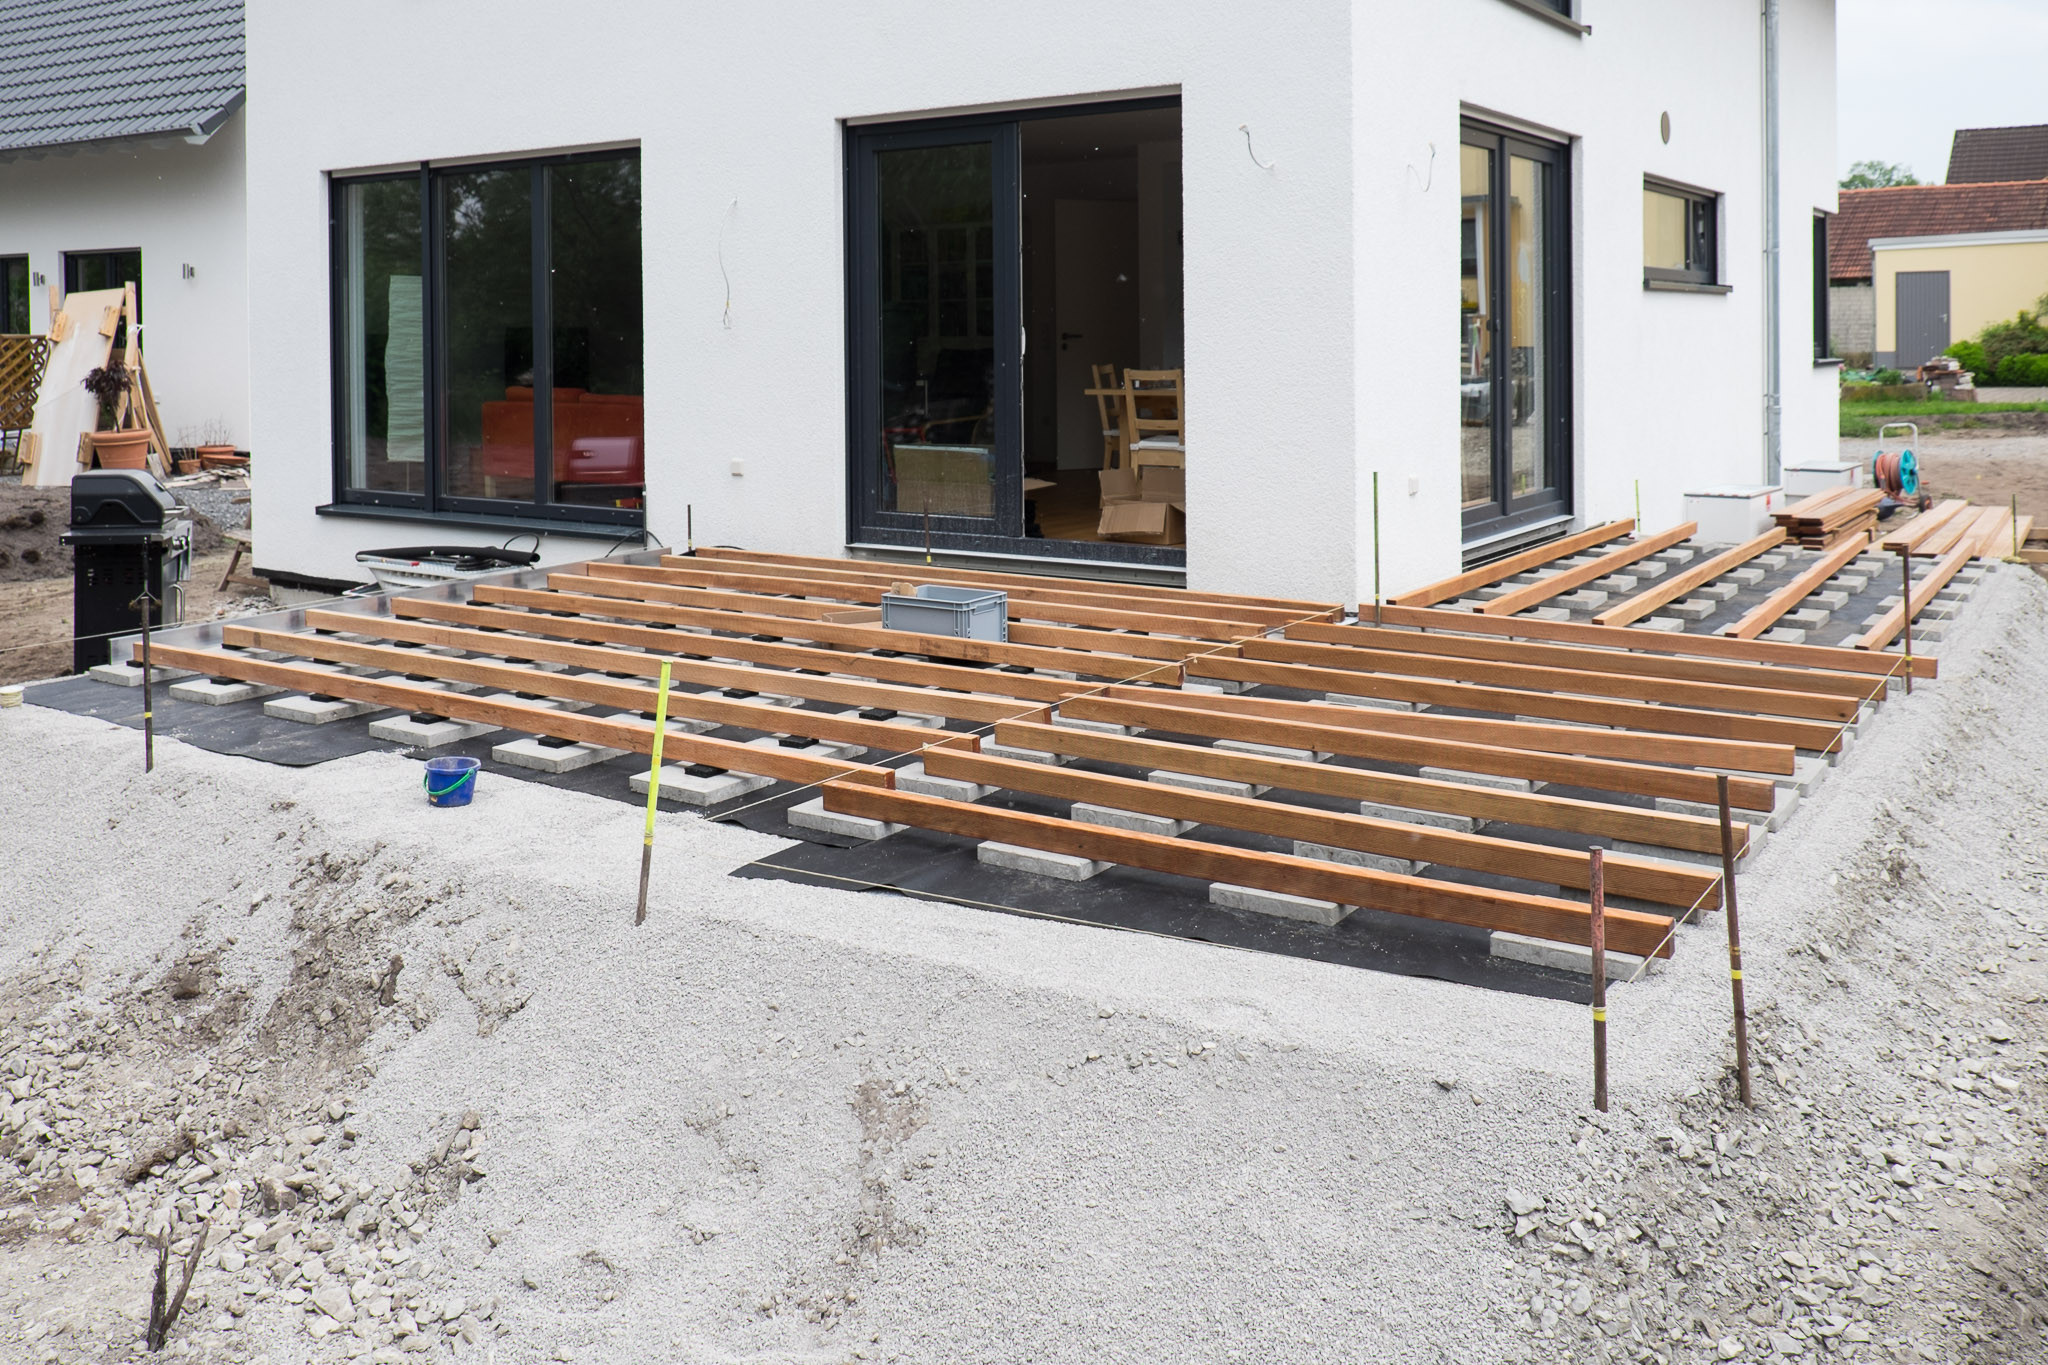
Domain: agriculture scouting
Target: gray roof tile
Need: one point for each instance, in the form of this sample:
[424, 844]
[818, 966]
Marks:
[76, 71]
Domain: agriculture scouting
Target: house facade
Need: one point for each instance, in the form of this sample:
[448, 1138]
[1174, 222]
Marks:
[121, 160]
[825, 280]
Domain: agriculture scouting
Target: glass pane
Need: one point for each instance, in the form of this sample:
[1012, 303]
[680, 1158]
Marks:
[14, 307]
[1528, 264]
[594, 246]
[487, 283]
[88, 270]
[1102, 298]
[937, 443]
[382, 372]
[1664, 231]
[1475, 320]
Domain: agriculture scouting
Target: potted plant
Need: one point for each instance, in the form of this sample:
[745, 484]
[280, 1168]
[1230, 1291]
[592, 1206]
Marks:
[216, 444]
[115, 449]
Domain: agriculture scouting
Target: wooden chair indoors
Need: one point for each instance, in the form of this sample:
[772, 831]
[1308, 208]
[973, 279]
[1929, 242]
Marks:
[1154, 412]
[1109, 406]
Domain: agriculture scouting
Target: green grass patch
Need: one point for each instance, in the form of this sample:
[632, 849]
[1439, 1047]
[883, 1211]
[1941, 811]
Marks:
[1861, 420]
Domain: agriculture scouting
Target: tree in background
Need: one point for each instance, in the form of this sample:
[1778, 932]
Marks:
[1877, 175]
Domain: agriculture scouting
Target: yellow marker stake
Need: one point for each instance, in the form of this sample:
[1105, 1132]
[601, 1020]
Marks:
[653, 789]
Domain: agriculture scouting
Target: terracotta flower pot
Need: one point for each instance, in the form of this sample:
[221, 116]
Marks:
[213, 452]
[121, 449]
[188, 466]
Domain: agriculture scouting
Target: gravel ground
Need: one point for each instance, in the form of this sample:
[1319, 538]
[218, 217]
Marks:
[782, 1123]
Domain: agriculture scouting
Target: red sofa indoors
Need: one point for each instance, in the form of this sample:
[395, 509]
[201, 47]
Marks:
[599, 437]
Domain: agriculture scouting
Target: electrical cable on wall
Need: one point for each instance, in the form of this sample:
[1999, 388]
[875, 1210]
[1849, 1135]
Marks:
[1245, 128]
[1430, 179]
[731, 209]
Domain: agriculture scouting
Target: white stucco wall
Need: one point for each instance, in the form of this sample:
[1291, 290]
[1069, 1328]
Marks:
[1321, 343]
[180, 205]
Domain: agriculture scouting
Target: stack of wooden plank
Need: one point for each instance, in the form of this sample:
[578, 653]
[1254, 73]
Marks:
[1987, 532]
[1825, 520]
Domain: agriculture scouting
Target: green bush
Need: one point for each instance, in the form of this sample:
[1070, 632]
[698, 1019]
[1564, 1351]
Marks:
[1885, 378]
[1971, 355]
[2024, 335]
[2023, 371]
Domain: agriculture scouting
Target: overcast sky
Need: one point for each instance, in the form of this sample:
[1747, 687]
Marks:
[1911, 73]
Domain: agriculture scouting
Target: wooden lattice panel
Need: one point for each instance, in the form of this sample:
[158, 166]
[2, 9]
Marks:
[22, 362]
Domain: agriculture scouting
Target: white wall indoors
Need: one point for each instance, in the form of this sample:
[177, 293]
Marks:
[1320, 340]
[180, 205]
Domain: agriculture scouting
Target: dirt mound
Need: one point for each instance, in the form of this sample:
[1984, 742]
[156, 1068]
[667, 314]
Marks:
[32, 520]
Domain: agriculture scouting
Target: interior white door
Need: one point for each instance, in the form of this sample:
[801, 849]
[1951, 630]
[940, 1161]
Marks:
[1095, 302]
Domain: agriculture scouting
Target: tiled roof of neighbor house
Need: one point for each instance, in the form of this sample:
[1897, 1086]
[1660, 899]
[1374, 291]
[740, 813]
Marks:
[1979, 155]
[1928, 211]
[79, 71]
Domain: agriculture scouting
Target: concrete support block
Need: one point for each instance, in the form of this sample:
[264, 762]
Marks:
[1784, 635]
[913, 778]
[1769, 561]
[1546, 614]
[1670, 624]
[1719, 591]
[1692, 608]
[1649, 568]
[812, 814]
[543, 756]
[678, 785]
[1374, 703]
[1850, 583]
[1198, 782]
[1497, 782]
[1927, 632]
[1066, 866]
[815, 749]
[1757, 835]
[1616, 583]
[1138, 822]
[1230, 685]
[220, 692]
[1677, 554]
[1351, 857]
[994, 750]
[1100, 727]
[544, 703]
[899, 718]
[1829, 599]
[308, 710]
[1463, 824]
[1564, 957]
[1246, 746]
[1277, 903]
[415, 733]
[129, 674]
[1585, 599]
[1806, 618]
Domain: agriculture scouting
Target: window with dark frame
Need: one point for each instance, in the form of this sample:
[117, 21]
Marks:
[1680, 232]
[14, 294]
[1823, 344]
[488, 340]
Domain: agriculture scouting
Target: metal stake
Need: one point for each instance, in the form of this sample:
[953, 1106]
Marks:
[1599, 940]
[1734, 938]
[1906, 606]
[690, 528]
[653, 790]
[148, 692]
[927, 532]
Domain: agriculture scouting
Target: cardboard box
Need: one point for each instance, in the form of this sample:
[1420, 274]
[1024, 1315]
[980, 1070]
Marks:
[1147, 505]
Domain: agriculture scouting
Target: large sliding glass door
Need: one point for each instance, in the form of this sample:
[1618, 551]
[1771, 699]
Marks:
[1004, 273]
[1515, 336]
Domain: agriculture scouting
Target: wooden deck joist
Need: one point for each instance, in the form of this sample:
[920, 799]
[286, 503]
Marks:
[1540, 810]
[1679, 584]
[1537, 916]
[1443, 590]
[1675, 884]
[1766, 613]
[1614, 561]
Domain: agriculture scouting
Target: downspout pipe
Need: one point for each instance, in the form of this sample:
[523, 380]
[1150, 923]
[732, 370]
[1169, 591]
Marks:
[1774, 397]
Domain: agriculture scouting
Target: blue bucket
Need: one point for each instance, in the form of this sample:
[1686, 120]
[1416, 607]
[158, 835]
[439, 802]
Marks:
[450, 781]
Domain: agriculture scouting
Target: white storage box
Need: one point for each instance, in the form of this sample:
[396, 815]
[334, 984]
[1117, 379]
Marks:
[1818, 476]
[1733, 512]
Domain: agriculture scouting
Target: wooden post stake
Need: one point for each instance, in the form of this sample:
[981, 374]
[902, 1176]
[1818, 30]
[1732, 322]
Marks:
[1734, 941]
[1906, 608]
[653, 789]
[1599, 940]
[148, 691]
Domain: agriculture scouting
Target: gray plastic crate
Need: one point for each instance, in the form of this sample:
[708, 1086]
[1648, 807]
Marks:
[966, 613]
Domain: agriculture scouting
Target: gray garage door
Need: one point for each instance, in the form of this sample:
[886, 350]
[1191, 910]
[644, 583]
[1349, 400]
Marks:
[1923, 316]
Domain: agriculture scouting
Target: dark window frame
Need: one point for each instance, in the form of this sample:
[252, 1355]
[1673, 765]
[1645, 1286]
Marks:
[1483, 528]
[28, 295]
[1702, 233]
[433, 503]
[1823, 343]
[866, 524]
[72, 259]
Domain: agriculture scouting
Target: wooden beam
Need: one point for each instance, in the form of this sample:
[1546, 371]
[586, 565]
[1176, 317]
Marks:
[1675, 884]
[1535, 736]
[1765, 615]
[631, 735]
[1782, 700]
[770, 720]
[1019, 608]
[1641, 779]
[1887, 629]
[1614, 658]
[1840, 659]
[1679, 584]
[1913, 533]
[1521, 599]
[1643, 716]
[928, 573]
[1460, 584]
[1540, 810]
[1423, 898]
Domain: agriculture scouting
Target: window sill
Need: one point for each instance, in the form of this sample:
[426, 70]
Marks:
[1685, 287]
[575, 530]
[1551, 16]
[1829, 363]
